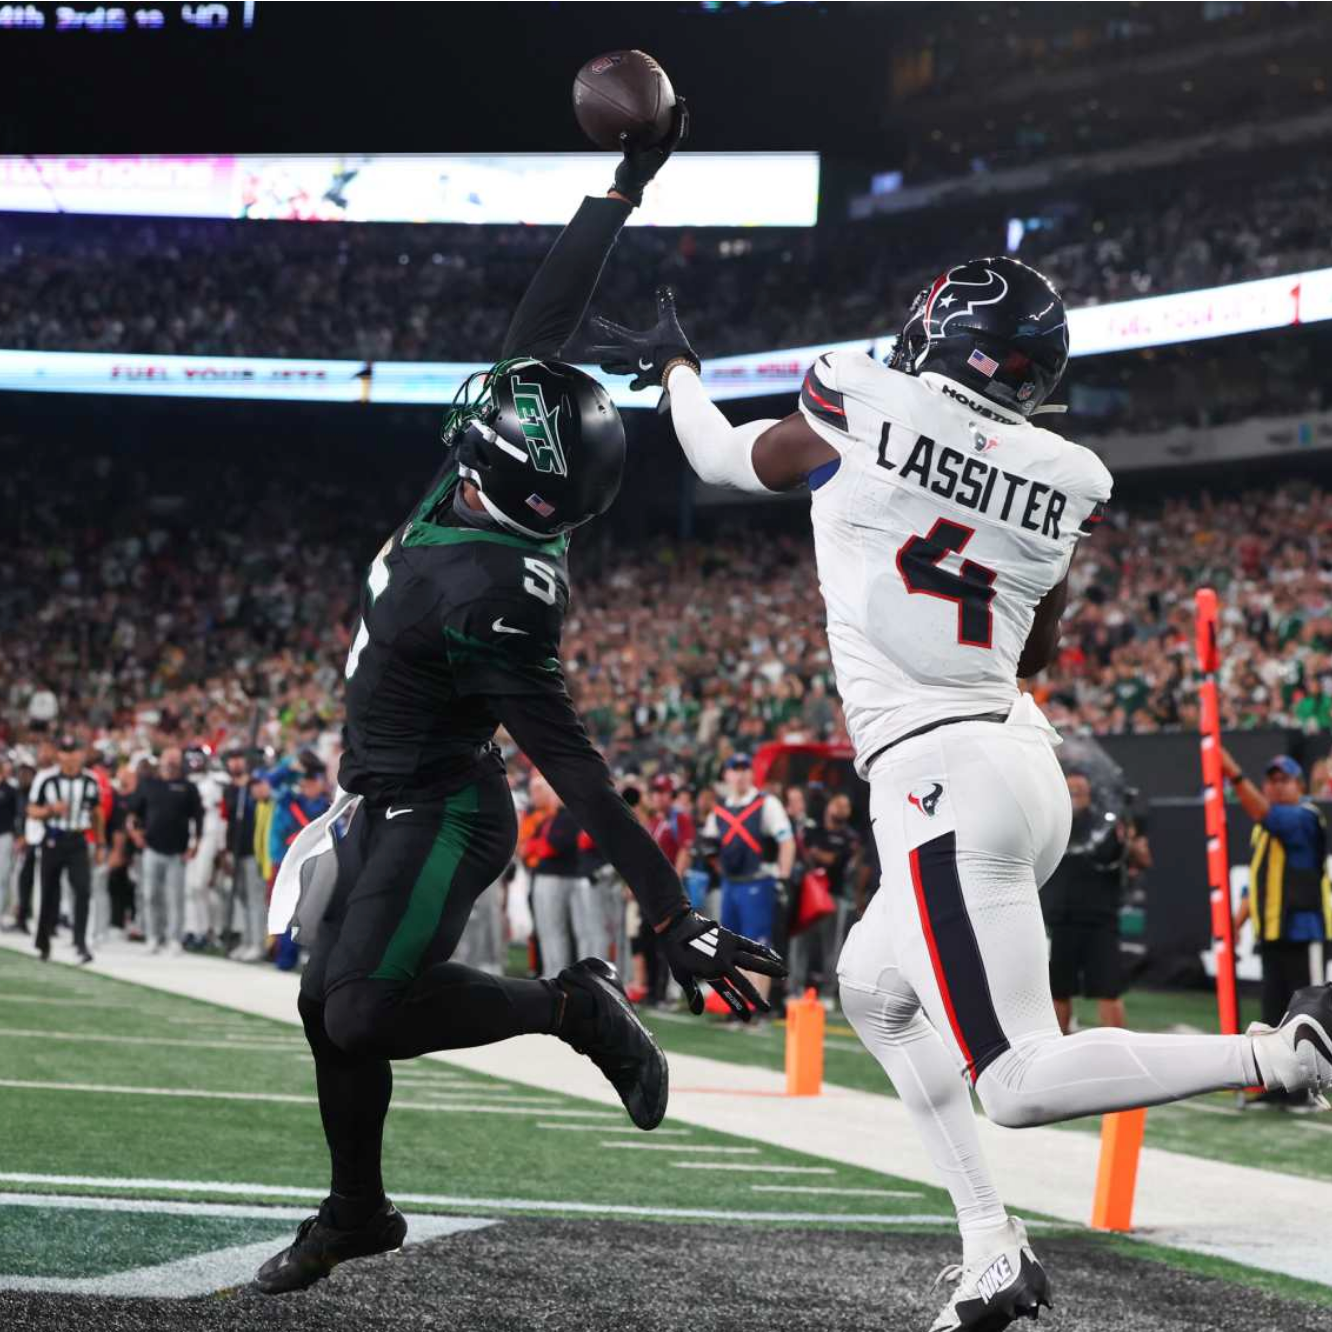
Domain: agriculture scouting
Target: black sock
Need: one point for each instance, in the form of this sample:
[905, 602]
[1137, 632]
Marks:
[354, 1097]
[343, 1213]
[576, 1009]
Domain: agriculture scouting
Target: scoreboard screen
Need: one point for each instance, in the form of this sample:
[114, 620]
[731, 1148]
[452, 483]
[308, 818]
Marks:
[212, 17]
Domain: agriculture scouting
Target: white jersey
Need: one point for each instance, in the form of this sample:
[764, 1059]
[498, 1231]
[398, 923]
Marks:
[946, 521]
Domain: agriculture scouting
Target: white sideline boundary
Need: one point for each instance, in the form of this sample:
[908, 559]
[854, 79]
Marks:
[1258, 1218]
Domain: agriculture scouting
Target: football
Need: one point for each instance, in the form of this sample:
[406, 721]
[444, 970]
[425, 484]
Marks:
[623, 93]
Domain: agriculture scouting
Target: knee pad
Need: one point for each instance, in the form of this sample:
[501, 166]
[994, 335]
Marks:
[353, 1018]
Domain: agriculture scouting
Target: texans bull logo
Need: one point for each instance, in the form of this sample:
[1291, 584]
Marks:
[927, 801]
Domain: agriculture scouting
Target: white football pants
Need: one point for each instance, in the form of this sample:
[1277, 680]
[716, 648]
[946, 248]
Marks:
[946, 979]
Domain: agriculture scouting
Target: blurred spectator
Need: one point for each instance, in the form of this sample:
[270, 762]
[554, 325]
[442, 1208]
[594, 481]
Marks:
[1081, 901]
[9, 831]
[1288, 897]
[756, 852]
[249, 892]
[568, 910]
[162, 812]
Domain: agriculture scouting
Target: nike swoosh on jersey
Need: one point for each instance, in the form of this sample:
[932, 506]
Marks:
[499, 627]
[393, 813]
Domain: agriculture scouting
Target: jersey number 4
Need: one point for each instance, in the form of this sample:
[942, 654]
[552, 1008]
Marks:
[919, 563]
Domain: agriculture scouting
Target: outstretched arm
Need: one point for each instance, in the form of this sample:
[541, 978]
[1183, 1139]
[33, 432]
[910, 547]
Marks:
[555, 301]
[548, 730]
[759, 456]
[553, 306]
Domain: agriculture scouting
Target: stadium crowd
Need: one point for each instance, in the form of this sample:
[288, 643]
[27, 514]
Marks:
[209, 608]
[429, 292]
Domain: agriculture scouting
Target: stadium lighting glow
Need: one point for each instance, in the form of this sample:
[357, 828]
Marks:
[700, 190]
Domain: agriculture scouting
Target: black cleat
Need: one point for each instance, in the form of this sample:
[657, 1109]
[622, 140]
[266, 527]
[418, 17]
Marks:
[1007, 1285]
[319, 1248]
[617, 1042]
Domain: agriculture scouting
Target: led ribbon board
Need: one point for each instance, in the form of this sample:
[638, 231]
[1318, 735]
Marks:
[1243, 307]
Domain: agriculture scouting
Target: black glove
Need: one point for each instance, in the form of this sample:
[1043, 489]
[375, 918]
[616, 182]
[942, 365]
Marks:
[645, 354]
[641, 164]
[699, 949]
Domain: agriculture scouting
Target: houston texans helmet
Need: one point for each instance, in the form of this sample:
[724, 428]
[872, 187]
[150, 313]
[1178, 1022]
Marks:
[995, 326]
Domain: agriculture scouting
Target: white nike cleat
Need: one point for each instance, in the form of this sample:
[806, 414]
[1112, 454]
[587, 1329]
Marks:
[1297, 1055]
[1007, 1284]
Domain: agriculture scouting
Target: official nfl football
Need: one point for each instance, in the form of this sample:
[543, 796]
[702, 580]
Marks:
[623, 93]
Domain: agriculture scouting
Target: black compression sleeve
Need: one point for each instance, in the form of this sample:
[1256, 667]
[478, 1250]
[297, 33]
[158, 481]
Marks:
[555, 301]
[548, 730]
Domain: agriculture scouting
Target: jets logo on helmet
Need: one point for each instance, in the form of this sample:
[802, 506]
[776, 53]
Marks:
[524, 416]
[540, 428]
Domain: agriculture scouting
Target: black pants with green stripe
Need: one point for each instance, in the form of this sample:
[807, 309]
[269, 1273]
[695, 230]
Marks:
[379, 984]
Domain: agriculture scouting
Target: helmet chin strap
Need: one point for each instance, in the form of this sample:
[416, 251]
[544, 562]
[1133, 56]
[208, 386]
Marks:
[497, 516]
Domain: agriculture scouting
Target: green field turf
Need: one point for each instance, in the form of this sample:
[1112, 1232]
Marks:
[85, 1060]
[1211, 1127]
[452, 1134]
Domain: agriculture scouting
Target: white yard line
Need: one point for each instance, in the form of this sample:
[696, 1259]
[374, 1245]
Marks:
[694, 1149]
[81, 1202]
[1248, 1215]
[1202, 1108]
[167, 1042]
[834, 1192]
[754, 1169]
[487, 1204]
[442, 1104]
[1311, 1124]
[614, 1128]
[203, 1273]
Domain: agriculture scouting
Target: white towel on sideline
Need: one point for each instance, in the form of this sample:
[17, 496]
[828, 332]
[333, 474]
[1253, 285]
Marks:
[308, 872]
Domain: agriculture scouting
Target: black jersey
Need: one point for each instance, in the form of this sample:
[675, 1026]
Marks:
[452, 617]
[460, 629]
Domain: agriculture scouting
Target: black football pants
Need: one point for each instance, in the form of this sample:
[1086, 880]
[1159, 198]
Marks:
[379, 984]
[61, 853]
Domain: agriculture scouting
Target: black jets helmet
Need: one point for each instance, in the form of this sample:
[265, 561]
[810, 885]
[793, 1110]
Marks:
[995, 326]
[542, 442]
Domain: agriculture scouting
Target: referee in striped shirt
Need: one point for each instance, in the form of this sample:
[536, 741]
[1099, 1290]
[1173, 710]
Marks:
[68, 800]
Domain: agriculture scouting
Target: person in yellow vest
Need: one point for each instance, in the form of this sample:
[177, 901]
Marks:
[1289, 898]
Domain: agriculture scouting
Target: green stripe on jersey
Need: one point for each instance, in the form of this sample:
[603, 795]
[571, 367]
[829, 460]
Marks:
[425, 908]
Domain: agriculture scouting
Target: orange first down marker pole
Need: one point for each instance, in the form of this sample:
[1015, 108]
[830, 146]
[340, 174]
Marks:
[1117, 1173]
[804, 1045]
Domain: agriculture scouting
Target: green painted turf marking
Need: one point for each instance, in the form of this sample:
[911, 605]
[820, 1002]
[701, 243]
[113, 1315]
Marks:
[153, 1256]
[64, 1242]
